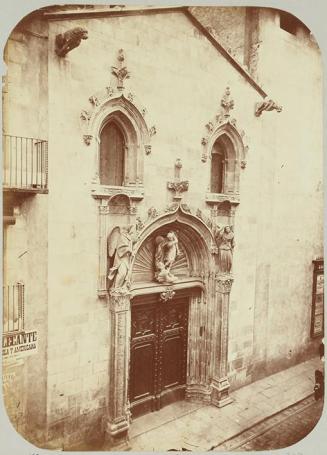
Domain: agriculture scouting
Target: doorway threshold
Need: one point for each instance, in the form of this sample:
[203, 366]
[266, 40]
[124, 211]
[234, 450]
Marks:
[156, 419]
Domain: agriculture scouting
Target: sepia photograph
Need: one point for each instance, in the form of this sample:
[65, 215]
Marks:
[163, 228]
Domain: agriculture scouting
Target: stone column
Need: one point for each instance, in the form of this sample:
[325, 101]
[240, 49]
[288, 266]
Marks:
[118, 406]
[102, 275]
[220, 384]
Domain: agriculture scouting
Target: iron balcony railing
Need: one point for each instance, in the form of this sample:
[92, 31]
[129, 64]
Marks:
[25, 163]
[13, 308]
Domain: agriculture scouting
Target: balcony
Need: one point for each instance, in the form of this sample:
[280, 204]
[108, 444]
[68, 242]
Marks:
[25, 165]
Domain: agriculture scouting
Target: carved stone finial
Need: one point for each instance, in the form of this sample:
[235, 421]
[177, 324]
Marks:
[268, 105]
[65, 42]
[120, 71]
[227, 103]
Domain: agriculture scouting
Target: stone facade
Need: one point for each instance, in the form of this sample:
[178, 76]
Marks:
[180, 90]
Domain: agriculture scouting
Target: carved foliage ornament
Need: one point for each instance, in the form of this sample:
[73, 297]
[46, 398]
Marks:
[168, 294]
[224, 285]
[268, 105]
[178, 186]
[65, 42]
[120, 71]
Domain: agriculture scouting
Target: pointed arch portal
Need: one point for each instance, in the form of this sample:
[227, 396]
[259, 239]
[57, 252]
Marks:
[169, 341]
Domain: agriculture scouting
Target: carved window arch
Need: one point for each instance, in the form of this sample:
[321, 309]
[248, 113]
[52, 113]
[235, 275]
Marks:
[224, 175]
[118, 152]
[226, 152]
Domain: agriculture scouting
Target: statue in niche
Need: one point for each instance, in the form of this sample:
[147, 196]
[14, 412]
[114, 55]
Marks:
[120, 249]
[65, 42]
[225, 241]
[165, 255]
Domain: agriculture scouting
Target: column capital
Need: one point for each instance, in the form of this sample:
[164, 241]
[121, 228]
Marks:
[119, 299]
[224, 283]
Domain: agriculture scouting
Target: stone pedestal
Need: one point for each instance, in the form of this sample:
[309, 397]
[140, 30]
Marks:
[118, 421]
[220, 384]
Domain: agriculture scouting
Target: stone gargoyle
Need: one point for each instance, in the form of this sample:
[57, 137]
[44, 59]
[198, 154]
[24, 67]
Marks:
[67, 41]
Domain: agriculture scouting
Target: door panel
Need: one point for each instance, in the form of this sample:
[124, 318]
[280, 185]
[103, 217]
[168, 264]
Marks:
[158, 353]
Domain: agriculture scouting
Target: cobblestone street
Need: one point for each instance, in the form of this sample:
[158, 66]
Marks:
[282, 430]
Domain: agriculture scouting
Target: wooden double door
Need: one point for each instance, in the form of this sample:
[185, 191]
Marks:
[158, 353]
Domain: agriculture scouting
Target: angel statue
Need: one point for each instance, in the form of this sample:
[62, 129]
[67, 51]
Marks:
[120, 247]
[165, 255]
[225, 242]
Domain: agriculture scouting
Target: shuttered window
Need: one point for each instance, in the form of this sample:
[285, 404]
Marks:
[112, 151]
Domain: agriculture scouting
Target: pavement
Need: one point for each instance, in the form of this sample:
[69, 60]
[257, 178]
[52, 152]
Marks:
[197, 427]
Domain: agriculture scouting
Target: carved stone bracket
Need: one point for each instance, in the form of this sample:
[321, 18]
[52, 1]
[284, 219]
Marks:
[168, 294]
[222, 119]
[268, 105]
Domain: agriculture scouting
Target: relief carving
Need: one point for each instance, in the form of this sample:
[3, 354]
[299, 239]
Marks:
[120, 249]
[225, 242]
[65, 42]
[166, 253]
[168, 294]
[227, 103]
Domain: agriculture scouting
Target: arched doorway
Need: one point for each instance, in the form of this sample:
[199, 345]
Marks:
[159, 358]
[192, 315]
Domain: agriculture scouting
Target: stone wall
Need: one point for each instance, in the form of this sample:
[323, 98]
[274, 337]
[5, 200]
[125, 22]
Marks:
[25, 243]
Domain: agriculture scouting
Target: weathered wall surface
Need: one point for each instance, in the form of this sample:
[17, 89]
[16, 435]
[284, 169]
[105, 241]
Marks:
[228, 24]
[25, 243]
[288, 212]
[275, 241]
